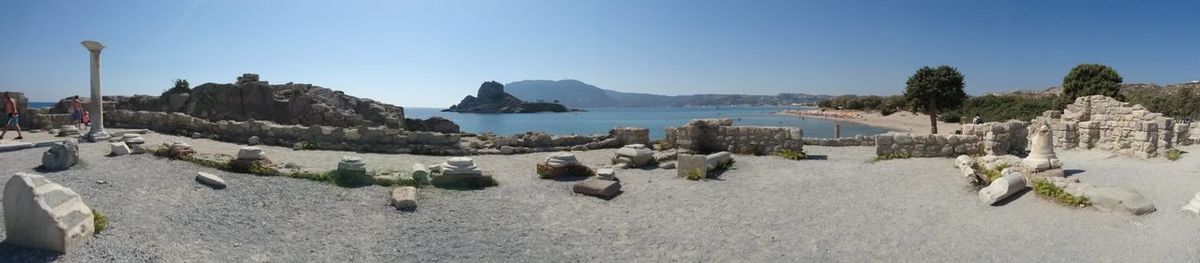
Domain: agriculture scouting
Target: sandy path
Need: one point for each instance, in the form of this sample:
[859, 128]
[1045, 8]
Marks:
[841, 208]
[902, 121]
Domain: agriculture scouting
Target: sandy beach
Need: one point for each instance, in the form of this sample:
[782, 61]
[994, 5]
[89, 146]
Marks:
[902, 121]
[839, 206]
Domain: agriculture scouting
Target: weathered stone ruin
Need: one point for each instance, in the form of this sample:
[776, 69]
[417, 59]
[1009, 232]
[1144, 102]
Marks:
[699, 166]
[714, 135]
[1000, 138]
[931, 145]
[561, 165]
[363, 138]
[404, 198]
[633, 156]
[42, 214]
[61, 156]
[1008, 184]
[252, 99]
[1099, 122]
[352, 172]
[460, 172]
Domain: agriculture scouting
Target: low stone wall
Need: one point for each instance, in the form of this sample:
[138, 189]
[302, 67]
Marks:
[714, 135]
[1000, 138]
[932, 145]
[544, 142]
[1108, 124]
[40, 119]
[858, 140]
[362, 139]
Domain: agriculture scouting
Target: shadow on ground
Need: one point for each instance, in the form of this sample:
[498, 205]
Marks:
[11, 253]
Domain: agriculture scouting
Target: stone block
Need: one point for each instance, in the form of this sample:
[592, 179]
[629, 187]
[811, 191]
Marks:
[210, 180]
[44, 215]
[598, 188]
[1010, 183]
[404, 197]
[420, 173]
[691, 163]
[118, 149]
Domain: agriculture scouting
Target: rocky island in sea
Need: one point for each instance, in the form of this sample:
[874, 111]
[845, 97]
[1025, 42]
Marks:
[492, 99]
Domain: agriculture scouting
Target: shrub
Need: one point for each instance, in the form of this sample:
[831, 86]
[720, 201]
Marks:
[887, 111]
[894, 155]
[180, 86]
[1174, 154]
[695, 174]
[259, 169]
[791, 155]
[950, 117]
[992, 174]
[1047, 189]
[305, 145]
[99, 220]
[314, 176]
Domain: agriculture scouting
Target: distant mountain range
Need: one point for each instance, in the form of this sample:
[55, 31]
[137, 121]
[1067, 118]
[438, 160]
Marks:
[574, 93]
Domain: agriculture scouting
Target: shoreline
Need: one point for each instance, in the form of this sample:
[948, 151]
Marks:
[899, 122]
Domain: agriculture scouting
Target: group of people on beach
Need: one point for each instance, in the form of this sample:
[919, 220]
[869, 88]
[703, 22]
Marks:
[13, 117]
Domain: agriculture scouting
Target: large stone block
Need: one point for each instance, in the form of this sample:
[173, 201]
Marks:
[41, 214]
[598, 188]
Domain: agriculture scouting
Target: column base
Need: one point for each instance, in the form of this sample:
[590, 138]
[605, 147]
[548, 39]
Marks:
[96, 136]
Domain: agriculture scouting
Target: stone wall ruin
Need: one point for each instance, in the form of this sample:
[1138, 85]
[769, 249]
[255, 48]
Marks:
[714, 135]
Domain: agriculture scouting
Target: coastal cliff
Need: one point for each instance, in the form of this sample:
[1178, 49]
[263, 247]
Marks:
[491, 98]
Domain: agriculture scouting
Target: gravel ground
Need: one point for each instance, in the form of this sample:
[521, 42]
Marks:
[840, 207]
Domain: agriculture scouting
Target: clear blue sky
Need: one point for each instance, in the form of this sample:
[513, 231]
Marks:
[432, 53]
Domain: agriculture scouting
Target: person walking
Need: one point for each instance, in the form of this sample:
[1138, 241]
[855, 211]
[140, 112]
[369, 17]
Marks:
[10, 110]
[977, 120]
[77, 112]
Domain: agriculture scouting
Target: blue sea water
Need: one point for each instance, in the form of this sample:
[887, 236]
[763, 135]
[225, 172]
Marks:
[41, 105]
[600, 120]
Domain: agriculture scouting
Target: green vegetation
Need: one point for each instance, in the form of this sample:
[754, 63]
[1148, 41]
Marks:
[1176, 101]
[695, 174]
[894, 155]
[1003, 107]
[313, 176]
[259, 169]
[933, 90]
[1047, 189]
[1174, 154]
[992, 174]
[306, 145]
[791, 155]
[1091, 79]
[181, 86]
[99, 220]
[885, 105]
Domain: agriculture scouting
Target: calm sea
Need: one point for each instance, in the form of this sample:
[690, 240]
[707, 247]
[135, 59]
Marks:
[600, 120]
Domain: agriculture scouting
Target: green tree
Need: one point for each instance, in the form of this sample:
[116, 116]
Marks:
[932, 90]
[1091, 79]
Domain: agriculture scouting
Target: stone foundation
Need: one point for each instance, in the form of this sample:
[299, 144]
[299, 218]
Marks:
[363, 139]
[714, 135]
[932, 145]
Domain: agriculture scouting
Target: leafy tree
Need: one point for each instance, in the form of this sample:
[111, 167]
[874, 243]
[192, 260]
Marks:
[932, 90]
[1091, 79]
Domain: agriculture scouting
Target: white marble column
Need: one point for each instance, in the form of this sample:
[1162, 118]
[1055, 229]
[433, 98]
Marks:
[96, 107]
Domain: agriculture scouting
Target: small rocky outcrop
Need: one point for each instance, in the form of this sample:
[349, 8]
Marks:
[61, 156]
[491, 98]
